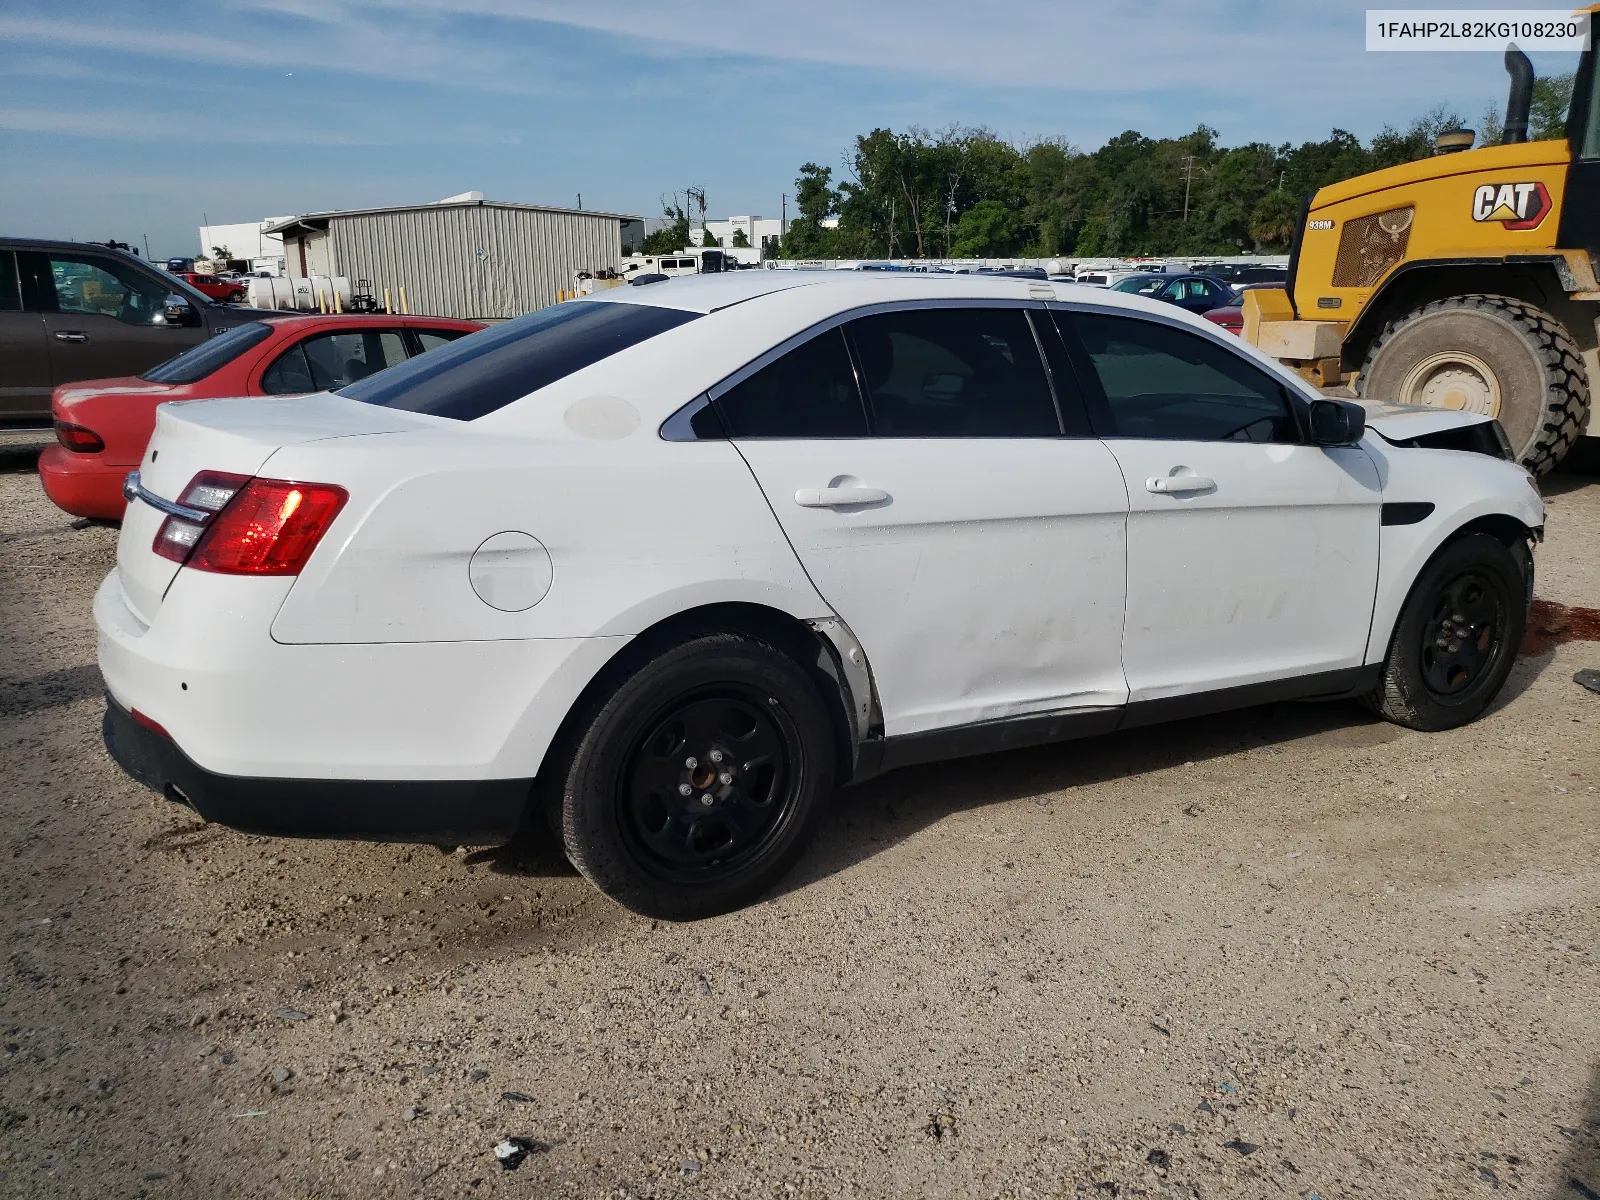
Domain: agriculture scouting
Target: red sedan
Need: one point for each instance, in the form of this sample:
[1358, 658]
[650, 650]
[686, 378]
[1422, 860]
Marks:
[217, 289]
[103, 425]
[1229, 316]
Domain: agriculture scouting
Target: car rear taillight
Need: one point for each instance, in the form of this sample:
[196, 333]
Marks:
[208, 493]
[269, 528]
[79, 439]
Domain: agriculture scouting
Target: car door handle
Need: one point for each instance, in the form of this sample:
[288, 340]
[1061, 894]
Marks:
[836, 497]
[71, 335]
[1178, 485]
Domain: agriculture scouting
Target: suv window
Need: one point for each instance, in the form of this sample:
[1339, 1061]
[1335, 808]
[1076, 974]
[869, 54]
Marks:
[103, 287]
[954, 372]
[196, 363]
[489, 370]
[333, 360]
[10, 293]
[1162, 382]
[808, 393]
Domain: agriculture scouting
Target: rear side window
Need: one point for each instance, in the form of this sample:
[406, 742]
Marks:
[432, 339]
[210, 355]
[808, 393]
[1162, 382]
[333, 360]
[489, 369]
[954, 372]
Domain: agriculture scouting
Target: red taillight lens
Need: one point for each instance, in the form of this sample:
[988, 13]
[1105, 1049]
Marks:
[152, 726]
[76, 437]
[208, 493]
[269, 528]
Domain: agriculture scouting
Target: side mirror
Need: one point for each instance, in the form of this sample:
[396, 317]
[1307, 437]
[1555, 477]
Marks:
[1337, 422]
[176, 310]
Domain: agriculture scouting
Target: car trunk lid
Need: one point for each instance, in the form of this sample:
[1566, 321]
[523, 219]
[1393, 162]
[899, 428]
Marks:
[234, 436]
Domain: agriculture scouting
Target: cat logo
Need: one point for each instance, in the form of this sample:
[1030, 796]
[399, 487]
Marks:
[1514, 205]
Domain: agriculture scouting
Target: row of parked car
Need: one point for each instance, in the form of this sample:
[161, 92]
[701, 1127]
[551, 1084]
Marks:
[92, 339]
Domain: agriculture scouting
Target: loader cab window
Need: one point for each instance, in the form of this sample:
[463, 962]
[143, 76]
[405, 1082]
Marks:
[1587, 95]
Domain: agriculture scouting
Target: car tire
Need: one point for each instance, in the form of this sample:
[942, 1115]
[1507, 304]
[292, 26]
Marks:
[237, 297]
[1490, 354]
[695, 783]
[1457, 637]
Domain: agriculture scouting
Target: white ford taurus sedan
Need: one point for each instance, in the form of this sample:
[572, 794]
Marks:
[671, 563]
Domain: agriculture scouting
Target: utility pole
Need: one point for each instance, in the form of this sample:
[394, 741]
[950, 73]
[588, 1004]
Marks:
[783, 217]
[1188, 180]
[580, 201]
[146, 247]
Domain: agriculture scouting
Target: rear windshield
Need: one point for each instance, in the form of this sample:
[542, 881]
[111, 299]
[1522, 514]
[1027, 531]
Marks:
[489, 369]
[199, 361]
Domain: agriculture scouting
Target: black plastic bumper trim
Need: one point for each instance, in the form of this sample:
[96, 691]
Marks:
[473, 812]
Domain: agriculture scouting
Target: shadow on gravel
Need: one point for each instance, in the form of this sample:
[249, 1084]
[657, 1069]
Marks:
[1579, 1177]
[534, 852]
[1577, 471]
[870, 818]
[50, 690]
[20, 459]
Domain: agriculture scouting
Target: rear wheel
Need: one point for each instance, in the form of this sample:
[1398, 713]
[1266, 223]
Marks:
[1492, 355]
[697, 782]
[1457, 637]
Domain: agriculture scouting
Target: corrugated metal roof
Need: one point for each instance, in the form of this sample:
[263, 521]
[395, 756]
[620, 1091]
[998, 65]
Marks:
[290, 222]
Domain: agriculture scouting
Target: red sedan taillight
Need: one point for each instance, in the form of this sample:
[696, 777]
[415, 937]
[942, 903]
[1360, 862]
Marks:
[246, 526]
[78, 439]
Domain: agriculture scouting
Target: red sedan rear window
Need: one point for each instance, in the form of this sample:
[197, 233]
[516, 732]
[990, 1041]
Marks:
[195, 363]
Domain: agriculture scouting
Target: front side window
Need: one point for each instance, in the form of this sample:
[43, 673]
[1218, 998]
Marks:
[196, 363]
[496, 366]
[954, 372]
[1166, 383]
[10, 290]
[810, 392]
[100, 287]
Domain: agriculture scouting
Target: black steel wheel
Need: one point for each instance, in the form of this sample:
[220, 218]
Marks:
[1462, 634]
[693, 783]
[709, 783]
[1456, 640]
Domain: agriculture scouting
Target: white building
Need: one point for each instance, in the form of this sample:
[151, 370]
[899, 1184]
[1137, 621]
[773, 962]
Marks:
[243, 239]
[757, 231]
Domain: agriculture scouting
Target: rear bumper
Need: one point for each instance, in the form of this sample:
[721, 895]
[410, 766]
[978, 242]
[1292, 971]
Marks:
[82, 484]
[476, 812]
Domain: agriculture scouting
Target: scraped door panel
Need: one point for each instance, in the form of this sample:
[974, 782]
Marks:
[988, 583]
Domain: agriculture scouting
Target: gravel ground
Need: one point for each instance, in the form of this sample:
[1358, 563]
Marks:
[1285, 952]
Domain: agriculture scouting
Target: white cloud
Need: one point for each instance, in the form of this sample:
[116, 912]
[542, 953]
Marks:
[158, 127]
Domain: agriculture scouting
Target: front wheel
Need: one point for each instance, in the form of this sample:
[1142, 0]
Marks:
[1457, 637]
[1493, 355]
[697, 783]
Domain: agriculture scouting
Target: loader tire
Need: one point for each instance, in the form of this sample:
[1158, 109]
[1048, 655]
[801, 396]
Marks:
[1489, 354]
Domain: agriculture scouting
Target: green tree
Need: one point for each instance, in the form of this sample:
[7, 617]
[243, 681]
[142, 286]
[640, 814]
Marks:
[987, 229]
[707, 239]
[669, 238]
[740, 238]
[1273, 220]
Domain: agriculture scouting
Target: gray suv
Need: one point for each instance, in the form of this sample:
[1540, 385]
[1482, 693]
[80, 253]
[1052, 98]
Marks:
[74, 310]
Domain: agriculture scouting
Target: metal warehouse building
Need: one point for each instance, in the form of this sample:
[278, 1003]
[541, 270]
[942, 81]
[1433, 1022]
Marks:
[462, 257]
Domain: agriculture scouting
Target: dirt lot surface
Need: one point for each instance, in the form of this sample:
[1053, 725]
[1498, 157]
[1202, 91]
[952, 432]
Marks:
[1285, 952]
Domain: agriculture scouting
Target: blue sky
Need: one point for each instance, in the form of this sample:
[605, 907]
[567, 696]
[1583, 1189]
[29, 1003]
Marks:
[126, 120]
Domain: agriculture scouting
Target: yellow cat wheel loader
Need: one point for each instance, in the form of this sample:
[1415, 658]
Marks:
[1463, 281]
